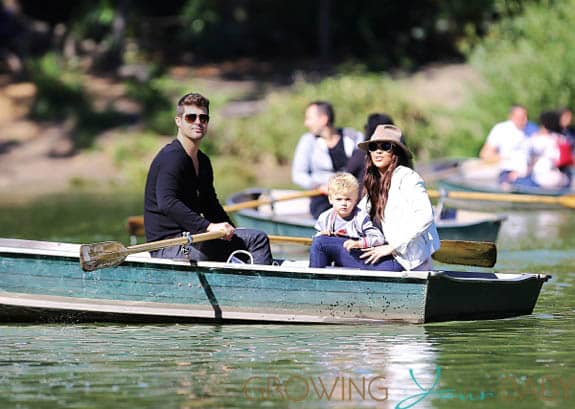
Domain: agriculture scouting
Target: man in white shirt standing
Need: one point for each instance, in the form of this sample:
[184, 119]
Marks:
[505, 145]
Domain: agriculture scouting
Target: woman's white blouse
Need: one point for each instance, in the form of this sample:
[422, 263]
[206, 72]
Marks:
[408, 223]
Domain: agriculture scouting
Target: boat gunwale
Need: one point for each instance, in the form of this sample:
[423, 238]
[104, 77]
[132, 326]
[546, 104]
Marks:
[254, 269]
[277, 270]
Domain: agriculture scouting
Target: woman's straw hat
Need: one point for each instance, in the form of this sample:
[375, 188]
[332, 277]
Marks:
[389, 133]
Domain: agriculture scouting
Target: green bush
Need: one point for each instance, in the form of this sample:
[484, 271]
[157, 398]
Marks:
[278, 128]
[61, 96]
[524, 60]
[60, 93]
[133, 155]
[157, 109]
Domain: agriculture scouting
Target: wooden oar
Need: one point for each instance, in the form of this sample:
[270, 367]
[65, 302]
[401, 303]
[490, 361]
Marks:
[111, 253]
[255, 203]
[136, 223]
[469, 253]
[563, 200]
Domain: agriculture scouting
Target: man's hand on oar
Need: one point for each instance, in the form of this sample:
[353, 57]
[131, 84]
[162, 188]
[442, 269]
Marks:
[111, 253]
[469, 253]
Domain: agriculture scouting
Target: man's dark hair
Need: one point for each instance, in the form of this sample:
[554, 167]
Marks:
[326, 109]
[192, 98]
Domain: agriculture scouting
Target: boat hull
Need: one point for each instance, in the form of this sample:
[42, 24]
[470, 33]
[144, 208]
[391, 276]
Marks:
[43, 282]
[476, 176]
[483, 230]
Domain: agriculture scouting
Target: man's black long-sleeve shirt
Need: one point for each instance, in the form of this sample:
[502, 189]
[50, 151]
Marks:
[178, 200]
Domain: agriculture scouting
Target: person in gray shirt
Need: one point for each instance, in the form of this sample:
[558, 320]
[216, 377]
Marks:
[322, 152]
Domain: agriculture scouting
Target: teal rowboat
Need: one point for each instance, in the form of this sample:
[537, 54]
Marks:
[43, 282]
[292, 218]
[474, 175]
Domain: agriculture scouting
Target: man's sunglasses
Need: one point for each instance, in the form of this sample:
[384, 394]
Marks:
[380, 146]
[191, 118]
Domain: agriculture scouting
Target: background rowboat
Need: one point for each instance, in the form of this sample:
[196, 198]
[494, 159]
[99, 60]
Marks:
[43, 281]
[473, 175]
[292, 218]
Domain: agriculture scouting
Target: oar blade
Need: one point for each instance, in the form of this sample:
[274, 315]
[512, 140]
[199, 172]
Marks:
[469, 253]
[101, 255]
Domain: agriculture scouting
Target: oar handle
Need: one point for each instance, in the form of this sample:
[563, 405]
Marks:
[501, 197]
[178, 241]
[306, 241]
[258, 202]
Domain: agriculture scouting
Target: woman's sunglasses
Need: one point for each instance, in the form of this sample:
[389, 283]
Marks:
[380, 146]
[191, 118]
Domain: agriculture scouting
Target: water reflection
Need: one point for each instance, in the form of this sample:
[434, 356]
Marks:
[207, 366]
[213, 366]
[538, 229]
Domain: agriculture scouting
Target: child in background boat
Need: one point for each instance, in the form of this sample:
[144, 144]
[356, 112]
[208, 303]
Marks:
[548, 165]
[343, 228]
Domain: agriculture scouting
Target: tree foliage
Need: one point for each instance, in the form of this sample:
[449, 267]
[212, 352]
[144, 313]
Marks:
[526, 60]
[383, 33]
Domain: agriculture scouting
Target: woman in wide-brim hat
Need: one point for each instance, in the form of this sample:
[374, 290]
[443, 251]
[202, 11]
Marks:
[396, 199]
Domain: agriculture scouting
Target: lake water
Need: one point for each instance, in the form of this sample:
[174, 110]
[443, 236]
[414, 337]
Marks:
[525, 362]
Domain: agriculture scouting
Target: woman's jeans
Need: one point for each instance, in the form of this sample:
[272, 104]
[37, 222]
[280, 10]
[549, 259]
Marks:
[254, 241]
[326, 250]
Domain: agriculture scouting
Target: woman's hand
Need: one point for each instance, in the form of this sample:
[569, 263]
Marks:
[373, 254]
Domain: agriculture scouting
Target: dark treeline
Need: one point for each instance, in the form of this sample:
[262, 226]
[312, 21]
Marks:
[380, 34]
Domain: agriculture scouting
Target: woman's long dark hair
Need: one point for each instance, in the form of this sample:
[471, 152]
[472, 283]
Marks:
[377, 184]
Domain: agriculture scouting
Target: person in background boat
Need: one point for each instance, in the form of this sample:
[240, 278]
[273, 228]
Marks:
[505, 145]
[321, 152]
[568, 132]
[356, 163]
[398, 204]
[343, 229]
[566, 124]
[547, 169]
[530, 128]
[180, 195]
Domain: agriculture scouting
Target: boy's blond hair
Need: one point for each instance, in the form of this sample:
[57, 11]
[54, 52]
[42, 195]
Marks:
[343, 182]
